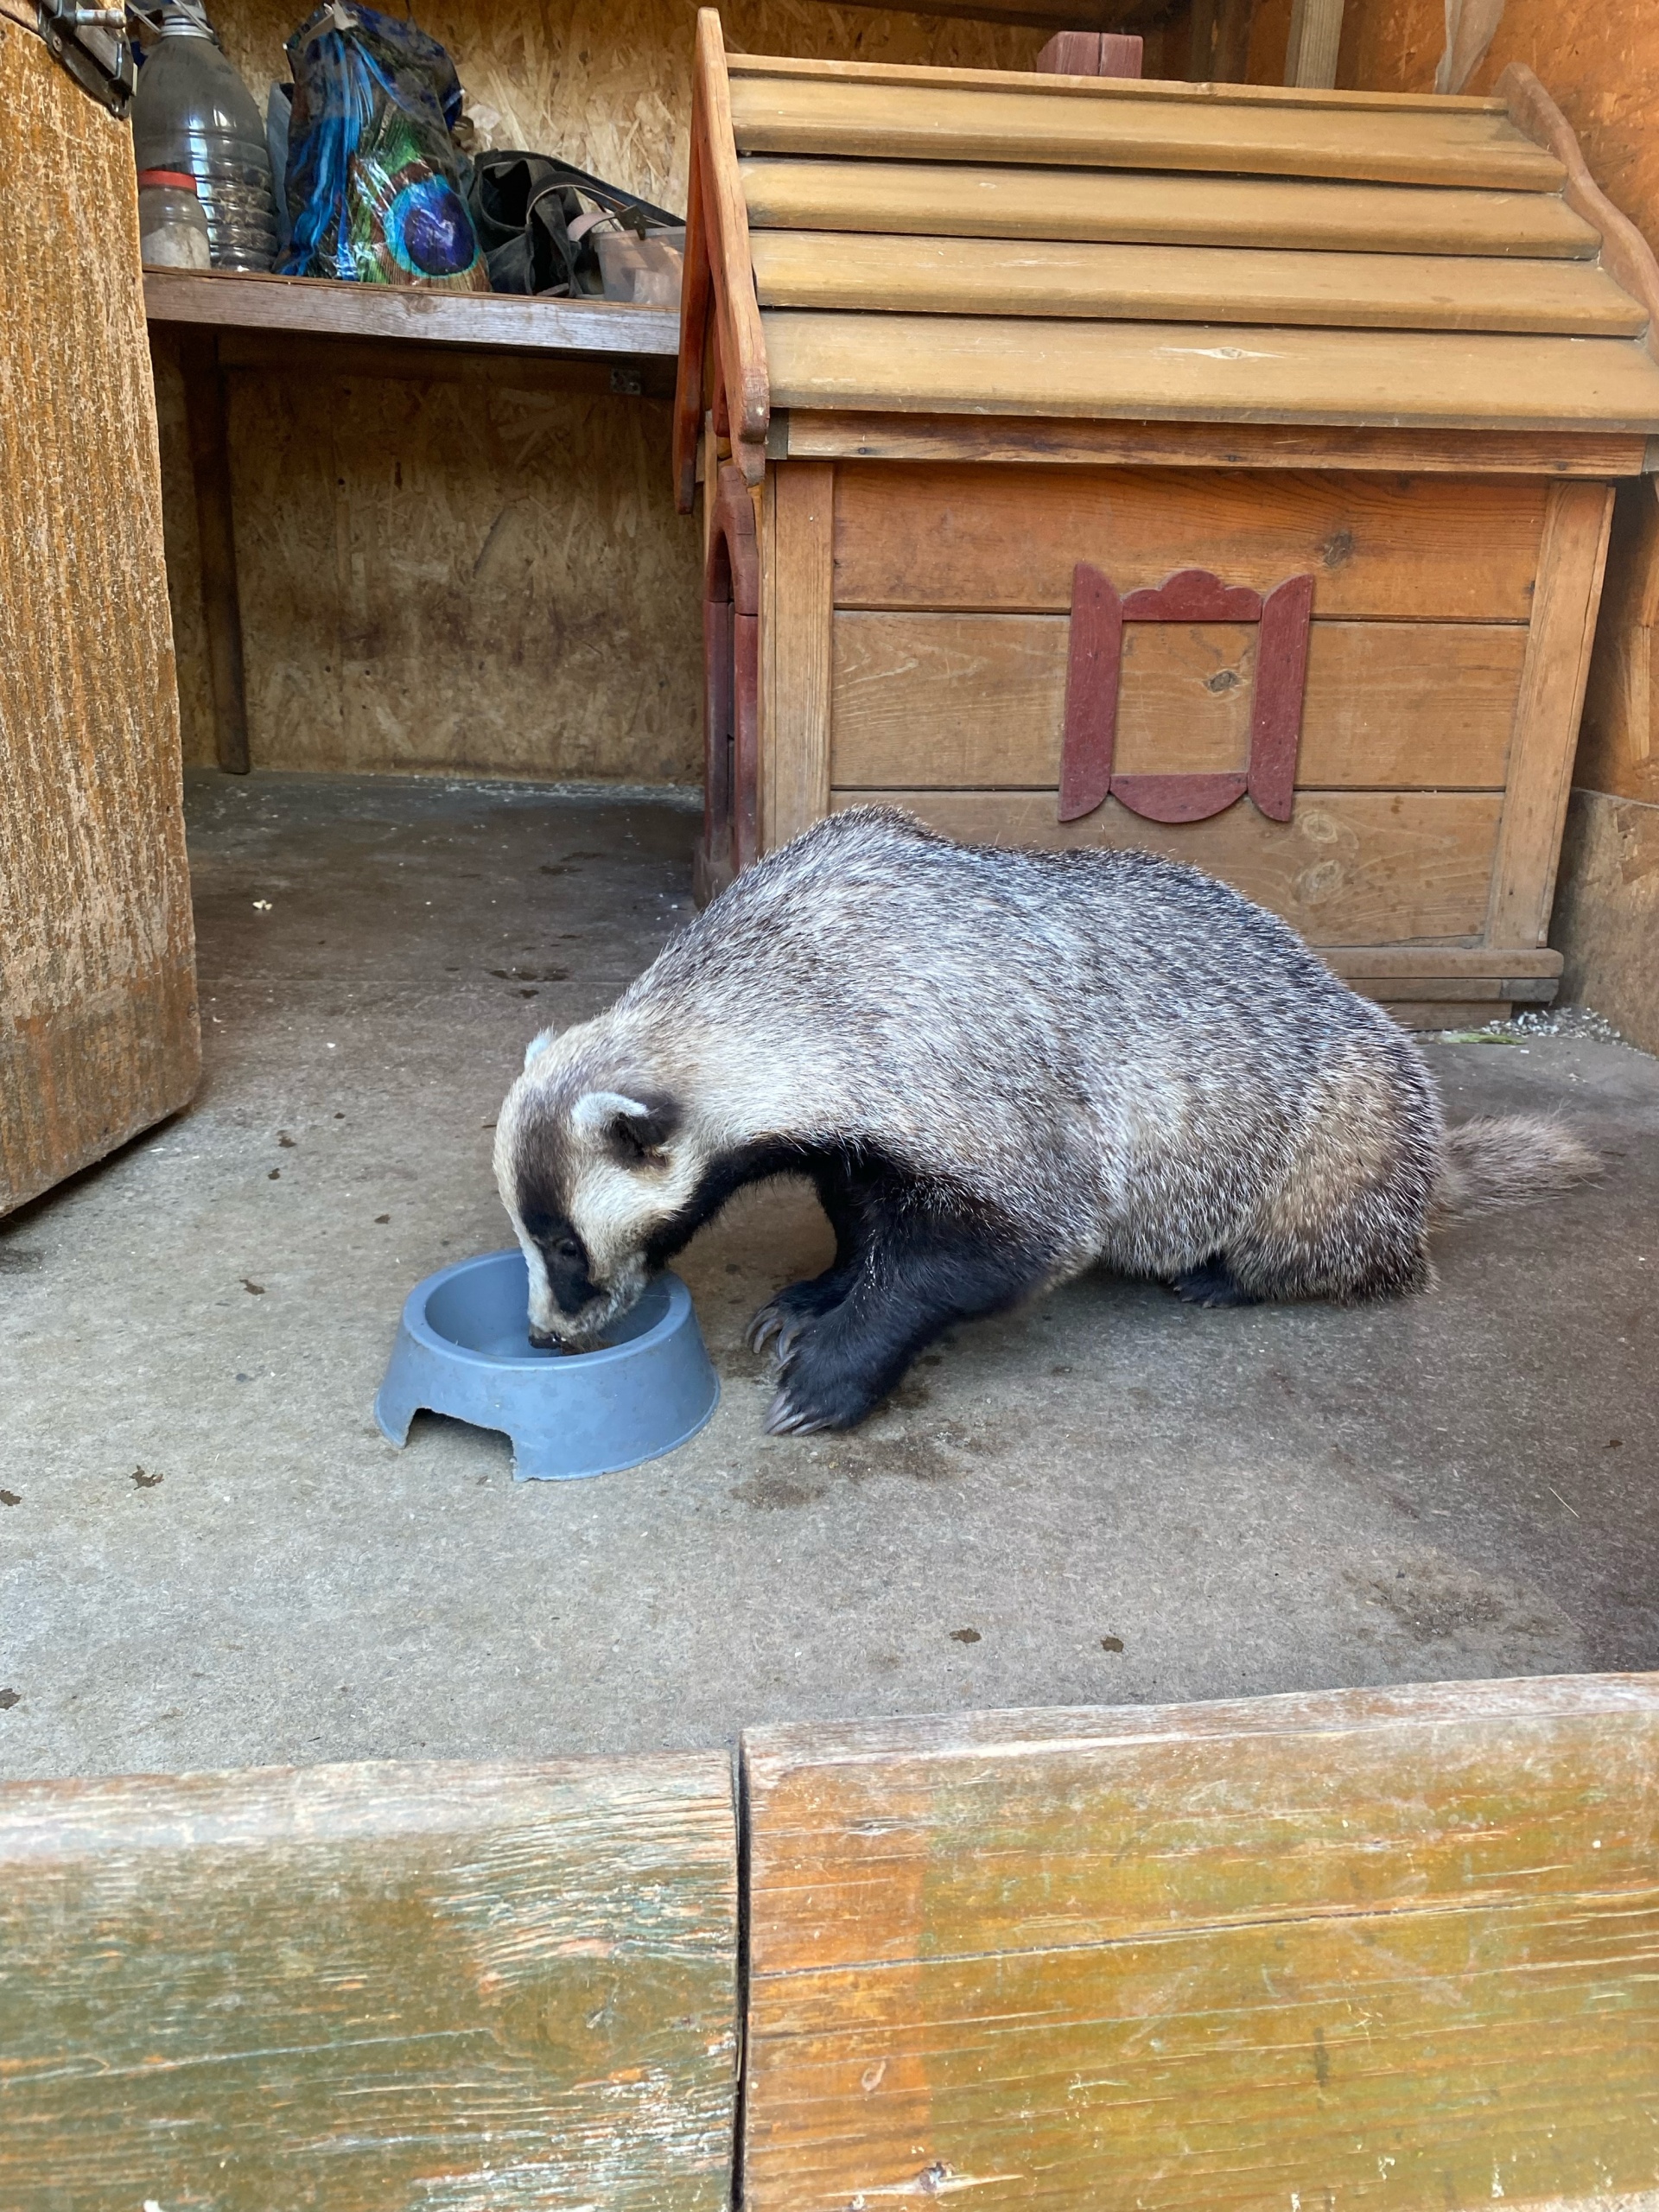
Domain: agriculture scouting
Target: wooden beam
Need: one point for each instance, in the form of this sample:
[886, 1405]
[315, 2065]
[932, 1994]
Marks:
[857, 272]
[1220, 33]
[1067, 123]
[1386, 1946]
[1237, 372]
[805, 434]
[935, 200]
[1559, 641]
[697, 301]
[319, 306]
[1315, 40]
[743, 347]
[799, 584]
[210, 464]
[368, 1986]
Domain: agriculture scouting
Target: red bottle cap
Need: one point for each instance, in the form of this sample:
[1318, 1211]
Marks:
[166, 176]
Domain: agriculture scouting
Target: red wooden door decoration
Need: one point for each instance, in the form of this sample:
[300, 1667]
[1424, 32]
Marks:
[1095, 664]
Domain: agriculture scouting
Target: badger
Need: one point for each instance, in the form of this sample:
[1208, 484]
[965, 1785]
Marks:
[998, 1067]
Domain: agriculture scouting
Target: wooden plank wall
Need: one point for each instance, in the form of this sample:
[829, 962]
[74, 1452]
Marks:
[488, 573]
[1599, 60]
[98, 999]
[382, 1988]
[1385, 1948]
[1431, 779]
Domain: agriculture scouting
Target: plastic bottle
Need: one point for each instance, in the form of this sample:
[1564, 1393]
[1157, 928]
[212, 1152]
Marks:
[172, 229]
[191, 113]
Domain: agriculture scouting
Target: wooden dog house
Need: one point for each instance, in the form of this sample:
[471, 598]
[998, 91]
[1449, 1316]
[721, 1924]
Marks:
[1207, 468]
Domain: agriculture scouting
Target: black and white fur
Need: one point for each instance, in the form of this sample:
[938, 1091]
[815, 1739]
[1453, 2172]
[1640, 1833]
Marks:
[999, 1068]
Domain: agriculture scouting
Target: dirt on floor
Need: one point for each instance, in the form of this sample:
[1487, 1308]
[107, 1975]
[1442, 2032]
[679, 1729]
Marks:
[210, 1557]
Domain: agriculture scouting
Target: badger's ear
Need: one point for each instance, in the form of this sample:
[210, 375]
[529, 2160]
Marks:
[537, 1046]
[633, 1127]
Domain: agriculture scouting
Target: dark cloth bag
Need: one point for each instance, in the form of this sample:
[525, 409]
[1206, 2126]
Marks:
[534, 215]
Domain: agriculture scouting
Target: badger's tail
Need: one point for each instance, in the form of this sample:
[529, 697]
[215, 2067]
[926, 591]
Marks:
[1510, 1160]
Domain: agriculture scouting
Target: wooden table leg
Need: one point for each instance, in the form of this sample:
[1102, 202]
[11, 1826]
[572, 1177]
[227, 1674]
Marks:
[210, 462]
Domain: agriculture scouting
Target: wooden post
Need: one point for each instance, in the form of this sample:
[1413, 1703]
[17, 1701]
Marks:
[799, 589]
[1220, 40]
[1568, 589]
[1315, 37]
[1092, 54]
[210, 463]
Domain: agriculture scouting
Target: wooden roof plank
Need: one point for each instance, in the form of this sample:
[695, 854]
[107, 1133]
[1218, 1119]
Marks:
[951, 121]
[1204, 94]
[1173, 370]
[1130, 207]
[957, 275]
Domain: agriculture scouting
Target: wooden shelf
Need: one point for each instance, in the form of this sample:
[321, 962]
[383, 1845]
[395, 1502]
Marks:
[316, 307]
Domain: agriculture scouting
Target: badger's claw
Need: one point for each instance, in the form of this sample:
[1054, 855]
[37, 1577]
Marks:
[784, 1418]
[765, 1324]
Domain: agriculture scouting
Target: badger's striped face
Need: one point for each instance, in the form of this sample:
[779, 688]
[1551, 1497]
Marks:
[590, 1180]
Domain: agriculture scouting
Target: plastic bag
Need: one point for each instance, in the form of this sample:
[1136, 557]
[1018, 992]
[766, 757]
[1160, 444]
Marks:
[537, 230]
[374, 187]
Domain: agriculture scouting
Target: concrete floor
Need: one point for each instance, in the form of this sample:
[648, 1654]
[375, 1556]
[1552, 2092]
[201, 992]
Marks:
[209, 1557]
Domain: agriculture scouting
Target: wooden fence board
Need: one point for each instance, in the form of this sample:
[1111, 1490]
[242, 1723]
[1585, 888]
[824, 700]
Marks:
[1386, 1948]
[370, 1989]
[925, 535]
[977, 701]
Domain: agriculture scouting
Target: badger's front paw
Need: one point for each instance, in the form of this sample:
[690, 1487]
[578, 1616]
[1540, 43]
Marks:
[818, 1388]
[791, 1312]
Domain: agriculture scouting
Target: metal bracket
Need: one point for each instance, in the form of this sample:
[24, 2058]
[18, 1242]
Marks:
[92, 44]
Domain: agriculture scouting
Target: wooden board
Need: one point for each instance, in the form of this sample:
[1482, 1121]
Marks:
[1221, 372]
[1349, 868]
[371, 1988]
[809, 435]
[317, 306]
[98, 1003]
[1061, 126]
[798, 584]
[476, 578]
[976, 200]
[1547, 719]
[851, 272]
[1606, 914]
[1618, 751]
[1394, 549]
[1166, 89]
[957, 701]
[1371, 1947]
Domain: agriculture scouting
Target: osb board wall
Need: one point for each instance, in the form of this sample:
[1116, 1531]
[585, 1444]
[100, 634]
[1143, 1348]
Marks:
[475, 577]
[98, 1003]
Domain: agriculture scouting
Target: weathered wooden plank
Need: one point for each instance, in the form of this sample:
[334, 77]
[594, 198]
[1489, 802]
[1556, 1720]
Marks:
[809, 436]
[97, 1002]
[1008, 364]
[1315, 40]
[1349, 868]
[931, 536]
[1618, 749]
[1388, 1948]
[1064, 124]
[225, 300]
[851, 271]
[1563, 630]
[1201, 96]
[799, 585]
[371, 1987]
[964, 701]
[742, 346]
[221, 599]
[976, 200]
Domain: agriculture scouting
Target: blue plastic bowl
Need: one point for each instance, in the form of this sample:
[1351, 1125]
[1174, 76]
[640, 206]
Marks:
[463, 1348]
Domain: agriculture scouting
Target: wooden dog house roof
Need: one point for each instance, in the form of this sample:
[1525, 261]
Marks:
[875, 240]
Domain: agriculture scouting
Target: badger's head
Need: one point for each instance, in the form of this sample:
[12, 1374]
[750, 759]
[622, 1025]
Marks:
[593, 1164]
